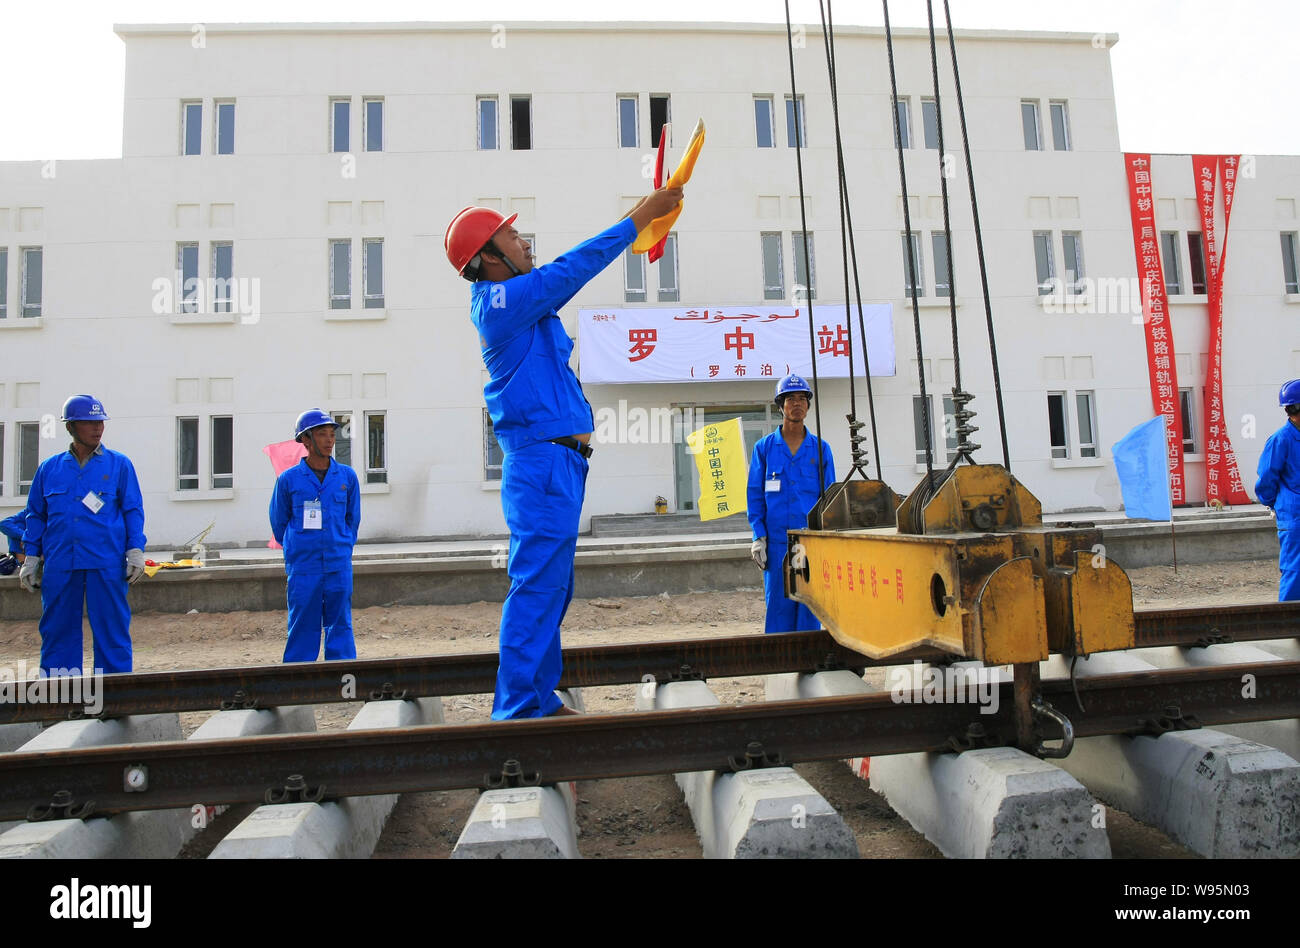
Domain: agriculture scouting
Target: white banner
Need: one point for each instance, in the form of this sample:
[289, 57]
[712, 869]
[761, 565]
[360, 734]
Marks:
[729, 343]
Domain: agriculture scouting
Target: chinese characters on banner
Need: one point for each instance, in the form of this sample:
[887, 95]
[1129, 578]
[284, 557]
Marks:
[729, 343]
[719, 452]
[1161, 365]
[1222, 480]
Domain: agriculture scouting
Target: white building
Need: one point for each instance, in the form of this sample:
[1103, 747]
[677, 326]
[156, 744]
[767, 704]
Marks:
[318, 165]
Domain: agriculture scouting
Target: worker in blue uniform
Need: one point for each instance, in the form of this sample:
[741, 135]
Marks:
[12, 528]
[315, 516]
[783, 487]
[85, 531]
[1278, 488]
[542, 422]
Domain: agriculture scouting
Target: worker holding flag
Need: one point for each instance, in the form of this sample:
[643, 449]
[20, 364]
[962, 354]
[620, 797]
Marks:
[783, 487]
[1278, 488]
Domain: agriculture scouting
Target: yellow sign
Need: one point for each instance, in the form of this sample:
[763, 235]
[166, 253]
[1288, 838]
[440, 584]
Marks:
[657, 229]
[719, 451]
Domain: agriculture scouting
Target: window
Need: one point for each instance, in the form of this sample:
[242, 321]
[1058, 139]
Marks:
[493, 456]
[340, 124]
[1288, 263]
[1029, 118]
[930, 122]
[32, 281]
[224, 132]
[487, 123]
[1173, 270]
[1072, 245]
[764, 126]
[1058, 423]
[773, 269]
[187, 454]
[343, 438]
[1196, 261]
[794, 119]
[29, 454]
[191, 128]
[187, 269]
[1043, 262]
[949, 426]
[903, 123]
[627, 122]
[222, 452]
[376, 455]
[942, 283]
[372, 273]
[633, 276]
[340, 274]
[1060, 126]
[4, 289]
[223, 262]
[912, 268]
[521, 122]
[1186, 402]
[658, 118]
[805, 273]
[668, 271]
[373, 121]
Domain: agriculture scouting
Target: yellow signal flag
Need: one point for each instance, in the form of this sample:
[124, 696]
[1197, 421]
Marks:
[660, 227]
[719, 451]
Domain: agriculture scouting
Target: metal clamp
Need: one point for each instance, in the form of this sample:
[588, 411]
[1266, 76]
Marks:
[239, 701]
[1044, 709]
[755, 759]
[388, 693]
[686, 673]
[512, 775]
[975, 738]
[1171, 720]
[61, 807]
[295, 790]
[1215, 637]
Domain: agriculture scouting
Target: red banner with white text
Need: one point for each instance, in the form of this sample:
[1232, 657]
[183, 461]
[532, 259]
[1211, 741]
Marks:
[1161, 365]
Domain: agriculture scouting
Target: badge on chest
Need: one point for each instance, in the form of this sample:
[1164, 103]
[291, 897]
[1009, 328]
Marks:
[311, 515]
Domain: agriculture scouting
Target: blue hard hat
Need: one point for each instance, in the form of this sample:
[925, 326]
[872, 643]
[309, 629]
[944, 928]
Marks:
[8, 564]
[84, 408]
[789, 385]
[1290, 394]
[312, 418]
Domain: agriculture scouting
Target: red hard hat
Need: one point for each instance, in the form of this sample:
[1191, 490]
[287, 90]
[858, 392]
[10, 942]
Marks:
[469, 231]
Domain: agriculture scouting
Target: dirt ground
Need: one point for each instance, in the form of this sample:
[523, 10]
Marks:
[640, 817]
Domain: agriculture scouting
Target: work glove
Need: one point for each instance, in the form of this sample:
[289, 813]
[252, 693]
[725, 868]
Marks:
[27, 573]
[758, 551]
[134, 565]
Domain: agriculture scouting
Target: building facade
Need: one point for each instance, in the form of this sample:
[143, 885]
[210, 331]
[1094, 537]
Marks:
[271, 241]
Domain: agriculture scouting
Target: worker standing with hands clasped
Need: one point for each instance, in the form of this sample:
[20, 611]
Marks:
[783, 487]
[85, 525]
[315, 516]
[542, 422]
[1278, 488]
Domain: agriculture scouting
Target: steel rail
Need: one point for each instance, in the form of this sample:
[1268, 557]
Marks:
[269, 686]
[116, 779]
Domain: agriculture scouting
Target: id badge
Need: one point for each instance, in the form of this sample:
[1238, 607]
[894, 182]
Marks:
[311, 516]
[772, 485]
[92, 502]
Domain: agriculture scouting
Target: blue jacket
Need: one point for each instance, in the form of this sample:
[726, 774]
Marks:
[772, 513]
[1279, 473]
[534, 395]
[330, 548]
[61, 528]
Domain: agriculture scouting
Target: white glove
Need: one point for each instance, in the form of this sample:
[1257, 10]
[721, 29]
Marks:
[27, 573]
[134, 565]
[758, 551]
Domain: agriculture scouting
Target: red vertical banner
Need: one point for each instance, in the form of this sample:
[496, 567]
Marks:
[1222, 478]
[1161, 366]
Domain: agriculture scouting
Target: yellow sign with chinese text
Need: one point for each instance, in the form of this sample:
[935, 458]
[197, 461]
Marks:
[719, 451]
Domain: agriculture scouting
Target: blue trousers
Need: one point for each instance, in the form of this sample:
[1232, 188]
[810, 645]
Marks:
[542, 488]
[316, 601]
[1288, 538]
[104, 593]
[783, 615]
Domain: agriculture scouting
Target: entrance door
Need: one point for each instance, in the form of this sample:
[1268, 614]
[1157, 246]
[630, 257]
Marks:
[755, 421]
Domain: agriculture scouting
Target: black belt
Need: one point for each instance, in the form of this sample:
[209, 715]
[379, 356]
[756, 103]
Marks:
[585, 450]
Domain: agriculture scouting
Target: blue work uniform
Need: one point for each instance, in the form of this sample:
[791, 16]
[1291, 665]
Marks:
[1278, 487]
[532, 397]
[12, 528]
[317, 559]
[782, 489]
[82, 518]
